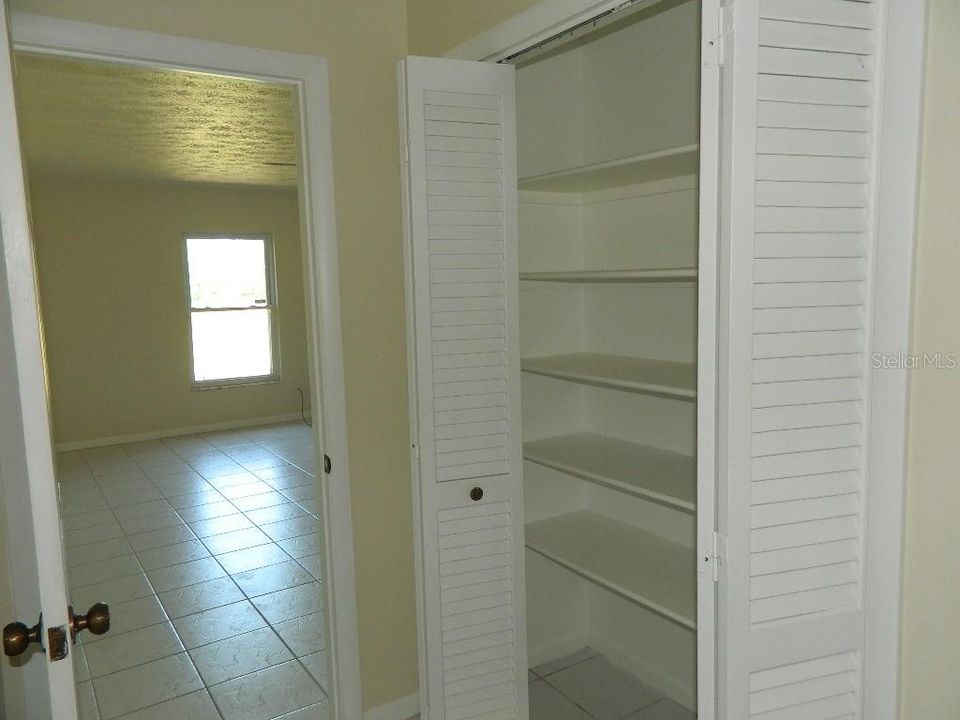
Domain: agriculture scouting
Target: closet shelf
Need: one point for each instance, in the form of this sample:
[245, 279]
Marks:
[674, 162]
[647, 569]
[659, 275]
[664, 477]
[656, 377]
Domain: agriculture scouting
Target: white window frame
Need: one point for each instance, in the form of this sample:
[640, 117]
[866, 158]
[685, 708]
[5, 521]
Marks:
[270, 268]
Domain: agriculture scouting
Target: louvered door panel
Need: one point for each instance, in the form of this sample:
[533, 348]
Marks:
[460, 188]
[801, 219]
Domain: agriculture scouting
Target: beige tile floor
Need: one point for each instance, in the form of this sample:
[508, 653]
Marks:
[206, 547]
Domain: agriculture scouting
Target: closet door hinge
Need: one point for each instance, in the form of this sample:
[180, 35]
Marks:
[714, 45]
[718, 555]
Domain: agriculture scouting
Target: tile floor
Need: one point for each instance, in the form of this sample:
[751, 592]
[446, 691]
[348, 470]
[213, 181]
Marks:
[206, 548]
[586, 686]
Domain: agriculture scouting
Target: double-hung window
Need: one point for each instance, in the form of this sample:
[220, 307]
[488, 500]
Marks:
[232, 305]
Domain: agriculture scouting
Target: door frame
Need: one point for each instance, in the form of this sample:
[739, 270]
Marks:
[895, 226]
[307, 75]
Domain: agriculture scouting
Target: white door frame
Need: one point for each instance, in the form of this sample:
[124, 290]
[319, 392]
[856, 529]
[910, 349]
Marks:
[897, 191]
[895, 228]
[307, 76]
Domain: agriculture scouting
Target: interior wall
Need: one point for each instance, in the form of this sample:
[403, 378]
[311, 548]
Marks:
[931, 582]
[113, 297]
[438, 25]
[361, 41]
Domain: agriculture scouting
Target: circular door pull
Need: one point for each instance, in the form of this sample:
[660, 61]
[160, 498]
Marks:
[476, 494]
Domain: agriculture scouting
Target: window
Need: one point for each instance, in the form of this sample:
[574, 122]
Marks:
[232, 304]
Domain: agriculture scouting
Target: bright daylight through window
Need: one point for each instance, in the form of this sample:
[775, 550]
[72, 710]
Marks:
[232, 302]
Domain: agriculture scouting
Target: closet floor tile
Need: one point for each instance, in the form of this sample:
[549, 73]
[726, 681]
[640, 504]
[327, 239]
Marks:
[546, 703]
[604, 691]
[554, 666]
[663, 710]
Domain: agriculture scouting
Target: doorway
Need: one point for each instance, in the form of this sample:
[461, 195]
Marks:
[186, 461]
[276, 455]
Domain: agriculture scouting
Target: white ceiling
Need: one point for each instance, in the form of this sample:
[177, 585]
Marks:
[87, 119]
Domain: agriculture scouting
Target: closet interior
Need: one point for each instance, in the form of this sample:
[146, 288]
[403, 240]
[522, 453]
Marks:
[608, 125]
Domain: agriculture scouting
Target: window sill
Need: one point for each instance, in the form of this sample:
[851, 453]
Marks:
[235, 383]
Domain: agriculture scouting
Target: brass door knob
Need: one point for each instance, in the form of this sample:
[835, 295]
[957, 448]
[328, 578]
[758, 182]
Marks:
[97, 620]
[17, 637]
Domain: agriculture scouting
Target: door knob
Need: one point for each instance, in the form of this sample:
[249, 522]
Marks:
[97, 620]
[17, 637]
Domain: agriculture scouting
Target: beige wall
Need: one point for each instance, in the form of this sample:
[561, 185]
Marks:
[931, 582]
[438, 25]
[362, 40]
[112, 291]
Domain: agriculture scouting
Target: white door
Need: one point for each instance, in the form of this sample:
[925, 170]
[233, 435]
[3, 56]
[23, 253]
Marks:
[32, 521]
[458, 125]
[802, 83]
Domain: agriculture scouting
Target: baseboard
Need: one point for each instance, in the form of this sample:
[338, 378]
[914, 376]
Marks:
[555, 648]
[654, 676]
[174, 432]
[402, 709]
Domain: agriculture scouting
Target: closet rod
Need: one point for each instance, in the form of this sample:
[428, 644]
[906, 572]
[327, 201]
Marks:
[588, 25]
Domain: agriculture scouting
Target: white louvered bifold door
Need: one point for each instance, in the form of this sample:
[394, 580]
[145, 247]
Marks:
[460, 197]
[802, 82]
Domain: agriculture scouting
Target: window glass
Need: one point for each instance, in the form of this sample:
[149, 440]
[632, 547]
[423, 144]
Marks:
[227, 273]
[231, 309]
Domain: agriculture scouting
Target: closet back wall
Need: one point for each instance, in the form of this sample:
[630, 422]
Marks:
[112, 289]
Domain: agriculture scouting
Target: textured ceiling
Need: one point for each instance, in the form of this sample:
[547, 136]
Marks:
[82, 119]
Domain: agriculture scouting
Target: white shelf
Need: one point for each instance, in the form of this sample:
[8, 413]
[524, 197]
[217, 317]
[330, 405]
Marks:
[657, 377]
[659, 275]
[674, 162]
[650, 571]
[664, 477]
